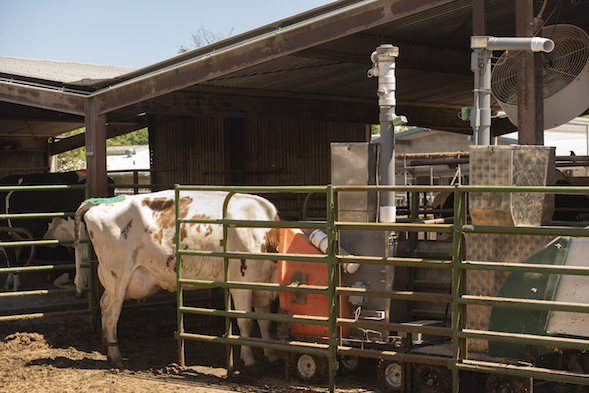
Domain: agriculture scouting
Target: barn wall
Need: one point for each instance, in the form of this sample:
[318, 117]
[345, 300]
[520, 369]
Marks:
[182, 152]
[23, 156]
[219, 151]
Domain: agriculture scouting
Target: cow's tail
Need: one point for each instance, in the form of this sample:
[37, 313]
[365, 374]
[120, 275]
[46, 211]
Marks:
[81, 251]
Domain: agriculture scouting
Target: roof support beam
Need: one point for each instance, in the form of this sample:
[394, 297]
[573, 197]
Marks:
[245, 105]
[79, 140]
[54, 100]
[415, 57]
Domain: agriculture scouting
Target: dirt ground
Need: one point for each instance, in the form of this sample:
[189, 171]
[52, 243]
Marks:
[65, 355]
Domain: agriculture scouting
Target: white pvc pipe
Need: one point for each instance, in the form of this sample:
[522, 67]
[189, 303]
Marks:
[535, 44]
[384, 58]
[318, 238]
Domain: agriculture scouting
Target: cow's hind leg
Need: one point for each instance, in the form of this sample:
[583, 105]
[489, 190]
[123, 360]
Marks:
[243, 302]
[13, 280]
[265, 332]
[111, 310]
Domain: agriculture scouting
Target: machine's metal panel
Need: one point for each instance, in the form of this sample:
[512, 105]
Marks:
[572, 289]
[504, 166]
[486, 247]
[354, 164]
[511, 166]
[525, 285]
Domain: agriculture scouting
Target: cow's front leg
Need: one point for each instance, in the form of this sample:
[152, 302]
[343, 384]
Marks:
[111, 310]
[243, 302]
[265, 332]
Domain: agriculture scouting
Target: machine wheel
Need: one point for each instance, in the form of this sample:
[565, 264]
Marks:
[390, 375]
[433, 379]
[310, 368]
[563, 387]
[506, 384]
[350, 364]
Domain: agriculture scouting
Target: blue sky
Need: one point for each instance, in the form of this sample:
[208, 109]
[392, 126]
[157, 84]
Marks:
[134, 33]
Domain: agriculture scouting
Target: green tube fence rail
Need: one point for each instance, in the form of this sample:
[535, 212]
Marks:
[50, 267]
[458, 299]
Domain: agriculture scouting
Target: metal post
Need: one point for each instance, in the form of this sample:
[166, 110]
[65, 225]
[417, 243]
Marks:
[480, 118]
[481, 121]
[331, 297]
[179, 293]
[227, 292]
[458, 314]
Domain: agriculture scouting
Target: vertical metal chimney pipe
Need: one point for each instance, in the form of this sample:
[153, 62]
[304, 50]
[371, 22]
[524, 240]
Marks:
[383, 60]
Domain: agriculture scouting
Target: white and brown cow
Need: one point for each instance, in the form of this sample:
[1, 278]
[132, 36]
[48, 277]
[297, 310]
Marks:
[134, 242]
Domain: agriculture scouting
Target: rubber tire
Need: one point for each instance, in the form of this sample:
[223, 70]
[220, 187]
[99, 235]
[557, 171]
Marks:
[559, 387]
[505, 384]
[350, 364]
[432, 379]
[390, 375]
[310, 368]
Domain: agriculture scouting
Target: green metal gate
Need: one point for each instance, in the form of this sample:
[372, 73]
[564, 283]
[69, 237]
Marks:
[36, 268]
[459, 359]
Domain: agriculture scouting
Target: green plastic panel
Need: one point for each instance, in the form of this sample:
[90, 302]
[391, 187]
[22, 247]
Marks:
[98, 201]
[520, 285]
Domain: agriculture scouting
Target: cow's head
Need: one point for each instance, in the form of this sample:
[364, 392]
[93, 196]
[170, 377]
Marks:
[61, 229]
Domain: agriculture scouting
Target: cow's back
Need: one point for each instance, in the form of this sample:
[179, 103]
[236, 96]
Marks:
[138, 233]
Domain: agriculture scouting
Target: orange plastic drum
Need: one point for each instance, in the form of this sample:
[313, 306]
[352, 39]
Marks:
[294, 241]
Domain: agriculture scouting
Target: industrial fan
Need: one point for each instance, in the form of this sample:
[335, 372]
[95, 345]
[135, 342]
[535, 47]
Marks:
[565, 76]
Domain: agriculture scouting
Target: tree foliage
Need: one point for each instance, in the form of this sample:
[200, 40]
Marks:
[204, 37]
[135, 138]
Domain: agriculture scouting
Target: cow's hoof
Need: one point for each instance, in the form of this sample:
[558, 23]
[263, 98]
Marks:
[272, 356]
[118, 364]
[249, 362]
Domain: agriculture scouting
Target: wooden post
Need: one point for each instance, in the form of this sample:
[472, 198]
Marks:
[97, 182]
[530, 112]
[95, 149]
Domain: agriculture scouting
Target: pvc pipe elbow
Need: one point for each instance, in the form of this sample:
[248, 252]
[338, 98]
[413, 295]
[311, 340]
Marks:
[318, 238]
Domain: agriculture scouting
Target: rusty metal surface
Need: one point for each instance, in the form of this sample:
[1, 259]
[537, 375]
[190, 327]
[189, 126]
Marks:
[42, 98]
[530, 111]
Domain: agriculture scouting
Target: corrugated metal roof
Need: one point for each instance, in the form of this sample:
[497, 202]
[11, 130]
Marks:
[61, 71]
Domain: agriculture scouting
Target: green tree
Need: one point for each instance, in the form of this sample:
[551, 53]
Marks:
[204, 37]
[135, 138]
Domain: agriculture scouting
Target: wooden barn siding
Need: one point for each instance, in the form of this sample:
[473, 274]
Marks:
[184, 154]
[272, 152]
[29, 161]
